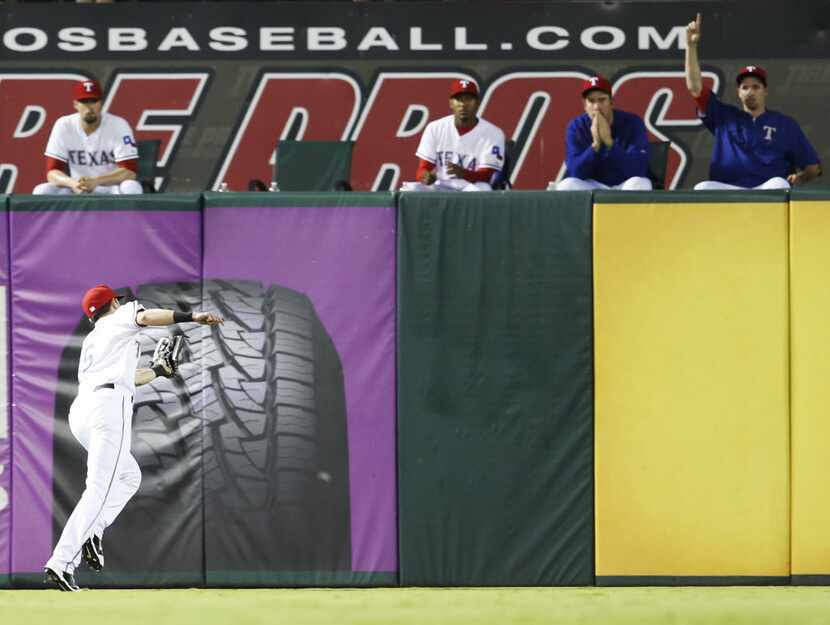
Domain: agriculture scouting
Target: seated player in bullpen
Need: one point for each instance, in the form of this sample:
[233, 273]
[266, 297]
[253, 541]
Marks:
[459, 152]
[755, 148]
[606, 148]
[90, 151]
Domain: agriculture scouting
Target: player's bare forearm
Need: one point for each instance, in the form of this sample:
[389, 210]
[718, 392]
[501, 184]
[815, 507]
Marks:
[694, 79]
[165, 317]
[455, 170]
[144, 376]
[155, 317]
[116, 176]
[811, 172]
[60, 179]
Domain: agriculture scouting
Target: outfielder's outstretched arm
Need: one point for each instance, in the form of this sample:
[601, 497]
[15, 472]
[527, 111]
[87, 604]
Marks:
[694, 80]
[165, 317]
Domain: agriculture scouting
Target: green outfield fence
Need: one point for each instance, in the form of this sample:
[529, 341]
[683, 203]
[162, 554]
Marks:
[576, 385]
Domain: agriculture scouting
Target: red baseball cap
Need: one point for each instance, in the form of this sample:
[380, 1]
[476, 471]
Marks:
[87, 90]
[598, 83]
[463, 86]
[752, 70]
[96, 298]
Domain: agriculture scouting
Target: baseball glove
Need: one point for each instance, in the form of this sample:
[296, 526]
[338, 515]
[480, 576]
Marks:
[166, 356]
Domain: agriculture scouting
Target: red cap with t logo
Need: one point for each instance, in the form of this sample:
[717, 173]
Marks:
[87, 90]
[599, 83]
[96, 298]
[463, 86]
[752, 70]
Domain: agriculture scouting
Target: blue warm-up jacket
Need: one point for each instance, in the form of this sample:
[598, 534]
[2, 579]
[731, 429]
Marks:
[626, 158]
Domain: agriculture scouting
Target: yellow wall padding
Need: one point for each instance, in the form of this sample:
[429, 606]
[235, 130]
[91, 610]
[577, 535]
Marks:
[692, 402]
[810, 375]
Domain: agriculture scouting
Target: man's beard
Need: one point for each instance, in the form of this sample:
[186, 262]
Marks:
[90, 118]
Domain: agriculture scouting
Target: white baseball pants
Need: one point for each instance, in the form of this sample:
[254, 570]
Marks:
[636, 183]
[101, 421]
[713, 185]
[455, 184]
[128, 187]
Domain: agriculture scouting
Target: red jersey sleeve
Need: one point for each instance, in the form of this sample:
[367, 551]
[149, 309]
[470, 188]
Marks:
[131, 164]
[480, 175]
[702, 100]
[423, 167]
[56, 163]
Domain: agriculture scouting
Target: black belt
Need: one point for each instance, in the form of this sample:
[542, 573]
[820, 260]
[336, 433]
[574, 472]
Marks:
[108, 385]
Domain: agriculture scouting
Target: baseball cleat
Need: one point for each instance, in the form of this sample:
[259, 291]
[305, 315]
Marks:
[64, 581]
[93, 553]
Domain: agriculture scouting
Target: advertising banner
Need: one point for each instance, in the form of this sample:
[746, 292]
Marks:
[5, 430]
[220, 83]
[148, 249]
[299, 469]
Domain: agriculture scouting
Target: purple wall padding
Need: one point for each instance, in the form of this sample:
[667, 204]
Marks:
[343, 259]
[5, 400]
[56, 255]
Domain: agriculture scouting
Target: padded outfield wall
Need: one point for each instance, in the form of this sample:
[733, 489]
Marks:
[271, 459]
[515, 388]
[218, 83]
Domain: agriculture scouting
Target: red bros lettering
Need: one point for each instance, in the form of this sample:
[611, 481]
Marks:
[157, 106]
[662, 100]
[390, 127]
[30, 103]
[534, 109]
[311, 106]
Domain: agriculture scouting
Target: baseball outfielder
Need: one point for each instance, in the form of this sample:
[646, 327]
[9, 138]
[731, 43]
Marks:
[755, 148]
[459, 152]
[100, 419]
[606, 148]
[90, 151]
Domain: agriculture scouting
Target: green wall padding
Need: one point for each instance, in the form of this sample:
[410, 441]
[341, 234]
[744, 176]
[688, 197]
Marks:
[495, 389]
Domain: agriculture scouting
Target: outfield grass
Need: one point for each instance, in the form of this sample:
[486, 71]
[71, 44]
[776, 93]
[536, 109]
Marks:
[421, 606]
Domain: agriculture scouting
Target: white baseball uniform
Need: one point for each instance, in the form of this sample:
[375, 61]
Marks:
[91, 155]
[100, 419]
[441, 143]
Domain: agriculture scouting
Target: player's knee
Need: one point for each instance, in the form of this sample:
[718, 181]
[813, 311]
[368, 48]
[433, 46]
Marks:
[571, 184]
[130, 187]
[45, 188]
[776, 183]
[96, 492]
[132, 481]
[411, 186]
[131, 477]
[637, 183]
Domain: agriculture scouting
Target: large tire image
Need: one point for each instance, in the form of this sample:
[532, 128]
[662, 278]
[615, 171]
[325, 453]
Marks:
[253, 427]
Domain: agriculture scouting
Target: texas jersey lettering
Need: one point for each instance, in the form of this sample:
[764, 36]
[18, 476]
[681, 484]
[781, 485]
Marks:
[91, 155]
[481, 147]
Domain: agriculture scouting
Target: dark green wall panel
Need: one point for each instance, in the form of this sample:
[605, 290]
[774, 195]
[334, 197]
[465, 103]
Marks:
[495, 395]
